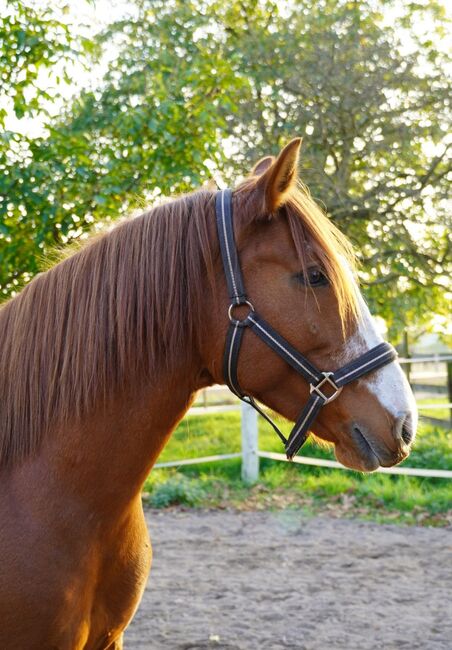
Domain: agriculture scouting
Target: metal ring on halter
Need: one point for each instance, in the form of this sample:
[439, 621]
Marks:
[326, 380]
[236, 321]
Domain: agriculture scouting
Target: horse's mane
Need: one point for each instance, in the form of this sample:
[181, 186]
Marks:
[125, 302]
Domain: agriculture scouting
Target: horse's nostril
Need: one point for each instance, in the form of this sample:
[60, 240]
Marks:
[407, 434]
[404, 428]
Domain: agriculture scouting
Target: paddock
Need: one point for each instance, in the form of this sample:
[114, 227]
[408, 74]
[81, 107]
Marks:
[279, 580]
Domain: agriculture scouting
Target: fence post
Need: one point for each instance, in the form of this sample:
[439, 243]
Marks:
[250, 459]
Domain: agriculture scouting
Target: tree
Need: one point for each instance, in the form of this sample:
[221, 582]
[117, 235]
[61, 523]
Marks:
[31, 41]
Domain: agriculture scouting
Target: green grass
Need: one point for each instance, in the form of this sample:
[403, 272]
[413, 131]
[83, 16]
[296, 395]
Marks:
[315, 490]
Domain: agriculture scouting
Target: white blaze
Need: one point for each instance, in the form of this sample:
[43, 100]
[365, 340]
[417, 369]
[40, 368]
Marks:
[389, 384]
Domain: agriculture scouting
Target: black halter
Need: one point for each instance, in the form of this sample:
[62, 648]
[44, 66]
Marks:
[319, 382]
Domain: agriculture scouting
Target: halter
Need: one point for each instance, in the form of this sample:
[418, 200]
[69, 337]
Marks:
[324, 387]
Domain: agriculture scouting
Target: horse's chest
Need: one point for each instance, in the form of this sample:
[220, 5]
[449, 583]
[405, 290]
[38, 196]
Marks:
[123, 572]
[72, 592]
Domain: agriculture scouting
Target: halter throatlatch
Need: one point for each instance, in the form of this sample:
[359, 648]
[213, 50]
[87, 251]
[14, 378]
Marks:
[324, 387]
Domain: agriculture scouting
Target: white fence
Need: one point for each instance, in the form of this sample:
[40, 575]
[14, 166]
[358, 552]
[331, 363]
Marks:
[251, 453]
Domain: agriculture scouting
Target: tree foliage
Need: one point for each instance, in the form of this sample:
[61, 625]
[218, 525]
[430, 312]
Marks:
[35, 48]
[30, 40]
[201, 84]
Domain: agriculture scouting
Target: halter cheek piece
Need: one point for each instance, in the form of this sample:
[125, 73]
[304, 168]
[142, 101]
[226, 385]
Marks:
[324, 387]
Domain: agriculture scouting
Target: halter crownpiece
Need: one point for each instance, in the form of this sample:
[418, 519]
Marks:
[324, 387]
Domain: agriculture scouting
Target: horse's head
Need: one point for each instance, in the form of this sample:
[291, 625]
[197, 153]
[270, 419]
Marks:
[298, 273]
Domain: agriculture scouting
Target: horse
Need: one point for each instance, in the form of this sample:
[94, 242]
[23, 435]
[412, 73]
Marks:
[102, 355]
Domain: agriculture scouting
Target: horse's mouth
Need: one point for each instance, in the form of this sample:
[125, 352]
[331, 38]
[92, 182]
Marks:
[366, 454]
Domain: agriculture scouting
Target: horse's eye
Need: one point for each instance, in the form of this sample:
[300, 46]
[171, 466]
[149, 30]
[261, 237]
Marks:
[313, 277]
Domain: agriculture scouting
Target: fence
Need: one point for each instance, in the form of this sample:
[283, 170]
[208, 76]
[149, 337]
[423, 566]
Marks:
[250, 453]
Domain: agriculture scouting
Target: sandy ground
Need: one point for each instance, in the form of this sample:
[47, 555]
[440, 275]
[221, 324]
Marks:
[278, 580]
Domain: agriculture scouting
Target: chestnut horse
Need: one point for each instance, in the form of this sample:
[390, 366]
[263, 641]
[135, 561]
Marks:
[101, 356]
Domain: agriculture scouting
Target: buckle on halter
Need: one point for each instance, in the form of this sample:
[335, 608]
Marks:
[242, 321]
[326, 380]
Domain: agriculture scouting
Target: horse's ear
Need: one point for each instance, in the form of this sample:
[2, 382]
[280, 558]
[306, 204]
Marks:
[280, 176]
[262, 165]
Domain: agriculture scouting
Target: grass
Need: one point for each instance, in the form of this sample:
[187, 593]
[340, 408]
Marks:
[315, 490]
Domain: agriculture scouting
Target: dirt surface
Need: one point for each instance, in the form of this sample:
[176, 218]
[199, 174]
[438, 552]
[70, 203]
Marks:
[278, 580]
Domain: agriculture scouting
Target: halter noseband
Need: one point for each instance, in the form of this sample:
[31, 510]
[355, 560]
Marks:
[320, 383]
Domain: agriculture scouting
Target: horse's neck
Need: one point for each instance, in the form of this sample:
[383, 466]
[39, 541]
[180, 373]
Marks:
[103, 462]
[107, 456]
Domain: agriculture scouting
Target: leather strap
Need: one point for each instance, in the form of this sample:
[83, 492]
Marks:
[228, 248]
[300, 431]
[283, 348]
[378, 356]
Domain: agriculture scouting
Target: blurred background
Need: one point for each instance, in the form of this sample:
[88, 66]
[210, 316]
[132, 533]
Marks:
[107, 106]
